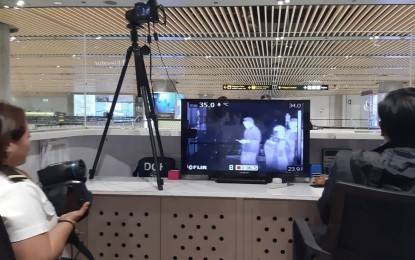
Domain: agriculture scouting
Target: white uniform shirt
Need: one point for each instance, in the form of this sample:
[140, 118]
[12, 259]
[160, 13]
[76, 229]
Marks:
[25, 209]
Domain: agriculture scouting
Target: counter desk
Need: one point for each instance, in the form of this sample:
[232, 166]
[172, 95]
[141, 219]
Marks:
[189, 219]
[194, 219]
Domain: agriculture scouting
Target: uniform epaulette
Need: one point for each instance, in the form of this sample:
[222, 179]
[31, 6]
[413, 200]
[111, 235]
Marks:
[12, 174]
[16, 177]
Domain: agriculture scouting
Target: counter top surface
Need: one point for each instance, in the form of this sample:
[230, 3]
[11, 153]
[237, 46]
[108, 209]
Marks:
[199, 188]
[97, 131]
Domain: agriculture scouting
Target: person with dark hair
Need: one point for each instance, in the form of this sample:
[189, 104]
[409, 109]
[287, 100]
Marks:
[32, 225]
[390, 166]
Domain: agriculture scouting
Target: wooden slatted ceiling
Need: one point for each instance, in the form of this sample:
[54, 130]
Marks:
[232, 61]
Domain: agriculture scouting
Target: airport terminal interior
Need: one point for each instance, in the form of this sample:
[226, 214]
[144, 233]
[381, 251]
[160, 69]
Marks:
[118, 83]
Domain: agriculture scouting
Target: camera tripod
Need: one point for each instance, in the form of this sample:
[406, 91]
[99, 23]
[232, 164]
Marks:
[143, 90]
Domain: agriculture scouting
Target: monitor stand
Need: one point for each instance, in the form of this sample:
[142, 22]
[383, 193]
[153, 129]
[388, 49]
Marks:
[245, 181]
[285, 178]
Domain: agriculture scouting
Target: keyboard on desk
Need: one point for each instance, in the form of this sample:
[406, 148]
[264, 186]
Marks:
[246, 181]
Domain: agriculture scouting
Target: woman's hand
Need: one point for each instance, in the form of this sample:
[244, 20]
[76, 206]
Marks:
[75, 216]
[49, 245]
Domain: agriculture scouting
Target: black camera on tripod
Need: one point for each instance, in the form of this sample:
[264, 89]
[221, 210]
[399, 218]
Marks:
[143, 13]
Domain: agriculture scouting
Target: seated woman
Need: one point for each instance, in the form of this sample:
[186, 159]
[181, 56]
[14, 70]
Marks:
[34, 229]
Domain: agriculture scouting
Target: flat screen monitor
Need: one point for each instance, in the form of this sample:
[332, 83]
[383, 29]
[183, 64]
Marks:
[166, 105]
[245, 139]
[100, 105]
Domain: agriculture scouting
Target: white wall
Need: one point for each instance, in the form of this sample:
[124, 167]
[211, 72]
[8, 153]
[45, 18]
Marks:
[354, 114]
[319, 105]
[336, 111]
[36, 103]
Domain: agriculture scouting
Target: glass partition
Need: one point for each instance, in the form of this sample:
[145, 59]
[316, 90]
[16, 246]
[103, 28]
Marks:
[85, 71]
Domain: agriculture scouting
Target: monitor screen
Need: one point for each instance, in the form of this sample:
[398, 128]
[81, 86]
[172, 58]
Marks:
[253, 139]
[100, 105]
[167, 104]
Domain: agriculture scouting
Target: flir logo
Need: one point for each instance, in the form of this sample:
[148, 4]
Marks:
[197, 167]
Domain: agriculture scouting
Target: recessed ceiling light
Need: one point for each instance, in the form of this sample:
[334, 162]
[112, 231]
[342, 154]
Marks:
[110, 2]
[280, 2]
[98, 38]
[12, 38]
[20, 3]
[6, 6]
[57, 3]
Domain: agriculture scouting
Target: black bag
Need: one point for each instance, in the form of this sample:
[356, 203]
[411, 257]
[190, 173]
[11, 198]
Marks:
[146, 166]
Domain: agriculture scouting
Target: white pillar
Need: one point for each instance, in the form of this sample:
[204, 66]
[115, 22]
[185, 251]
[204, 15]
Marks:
[336, 111]
[5, 29]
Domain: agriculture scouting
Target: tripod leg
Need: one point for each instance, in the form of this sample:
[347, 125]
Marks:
[144, 89]
[156, 127]
[109, 115]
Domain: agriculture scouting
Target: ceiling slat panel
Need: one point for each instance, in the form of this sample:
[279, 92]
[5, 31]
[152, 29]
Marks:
[47, 42]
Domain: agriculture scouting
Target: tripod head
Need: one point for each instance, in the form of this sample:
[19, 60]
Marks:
[143, 13]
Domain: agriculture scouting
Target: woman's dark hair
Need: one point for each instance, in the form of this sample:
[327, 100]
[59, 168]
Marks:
[397, 116]
[12, 126]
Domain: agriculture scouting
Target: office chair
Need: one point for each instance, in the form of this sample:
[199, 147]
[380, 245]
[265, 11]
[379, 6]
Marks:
[365, 223]
[6, 250]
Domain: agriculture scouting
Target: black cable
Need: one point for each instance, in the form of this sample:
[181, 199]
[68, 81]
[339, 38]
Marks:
[74, 240]
[164, 65]
[77, 254]
[151, 67]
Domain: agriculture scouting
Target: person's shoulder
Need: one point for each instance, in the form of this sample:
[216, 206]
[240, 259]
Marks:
[22, 189]
[345, 155]
[366, 156]
[5, 184]
[344, 158]
[357, 154]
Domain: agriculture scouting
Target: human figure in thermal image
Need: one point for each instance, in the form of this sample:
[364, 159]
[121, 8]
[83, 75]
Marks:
[287, 121]
[250, 142]
[275, 149]
[291, 138]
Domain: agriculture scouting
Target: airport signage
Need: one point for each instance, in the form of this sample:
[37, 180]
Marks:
[247, 87]
[303, 87]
